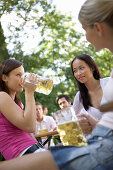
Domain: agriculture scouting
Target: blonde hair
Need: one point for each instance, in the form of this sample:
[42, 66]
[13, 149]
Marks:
[96, 11]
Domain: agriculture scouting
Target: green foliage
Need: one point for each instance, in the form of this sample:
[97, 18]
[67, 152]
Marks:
[3, 50]
[105, 62]
[58, 44]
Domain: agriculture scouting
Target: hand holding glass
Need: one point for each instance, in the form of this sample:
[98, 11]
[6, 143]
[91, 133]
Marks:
[69, 128]
[44, 85]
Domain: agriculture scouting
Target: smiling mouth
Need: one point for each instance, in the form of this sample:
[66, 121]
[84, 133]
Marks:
[81, 77]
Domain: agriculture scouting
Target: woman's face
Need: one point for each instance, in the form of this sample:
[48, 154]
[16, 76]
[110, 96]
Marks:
[93, 36]
[82, 72]
[13, 80]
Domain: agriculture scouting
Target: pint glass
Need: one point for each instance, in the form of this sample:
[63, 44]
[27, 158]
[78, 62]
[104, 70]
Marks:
[44, 85]
[42, 127]
[68, 128]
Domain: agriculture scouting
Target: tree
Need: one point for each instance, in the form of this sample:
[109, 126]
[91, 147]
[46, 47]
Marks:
[105, 62]
[58, 44]
[3, 50]
[58, 37]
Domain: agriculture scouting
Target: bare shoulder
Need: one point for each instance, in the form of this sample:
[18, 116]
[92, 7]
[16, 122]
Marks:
[4, 95]
[4, 98]
[7, 106]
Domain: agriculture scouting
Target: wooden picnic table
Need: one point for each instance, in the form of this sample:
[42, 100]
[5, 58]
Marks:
[46, 134]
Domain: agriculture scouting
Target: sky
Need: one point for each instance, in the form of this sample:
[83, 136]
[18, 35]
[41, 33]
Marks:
[70, 6]
[65, 6]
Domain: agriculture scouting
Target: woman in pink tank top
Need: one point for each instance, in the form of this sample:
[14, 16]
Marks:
[16, 124]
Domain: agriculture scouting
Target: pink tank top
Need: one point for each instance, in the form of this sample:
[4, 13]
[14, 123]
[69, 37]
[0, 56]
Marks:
[12, 139]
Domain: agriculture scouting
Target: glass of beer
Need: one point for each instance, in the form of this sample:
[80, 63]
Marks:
[68, 128]
[44, 85]
[42, 127]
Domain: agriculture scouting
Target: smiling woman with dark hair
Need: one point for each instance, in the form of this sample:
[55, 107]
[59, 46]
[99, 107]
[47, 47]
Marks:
[90, 94]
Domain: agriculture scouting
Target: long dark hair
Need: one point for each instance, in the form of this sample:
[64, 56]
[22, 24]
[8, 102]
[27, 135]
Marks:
[5, 68]
[84, 96]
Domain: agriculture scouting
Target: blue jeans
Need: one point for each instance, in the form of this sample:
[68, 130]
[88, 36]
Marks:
[97, 155]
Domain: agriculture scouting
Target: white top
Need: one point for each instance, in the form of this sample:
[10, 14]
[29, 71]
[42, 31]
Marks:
[47, 123]
[107, 118]
[79, 108]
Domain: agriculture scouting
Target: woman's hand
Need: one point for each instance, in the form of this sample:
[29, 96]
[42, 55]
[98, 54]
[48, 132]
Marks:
[87, 123]
[30, 85]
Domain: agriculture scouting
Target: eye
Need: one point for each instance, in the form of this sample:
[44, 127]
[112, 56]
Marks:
[74, 71]
[18, 75]
[82, 67]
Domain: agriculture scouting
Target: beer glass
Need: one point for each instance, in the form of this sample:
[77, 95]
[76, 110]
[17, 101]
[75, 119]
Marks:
[68, 128]
[44, 85]
[42, 127]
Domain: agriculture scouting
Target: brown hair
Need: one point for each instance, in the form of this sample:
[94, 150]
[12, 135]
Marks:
[5, 68]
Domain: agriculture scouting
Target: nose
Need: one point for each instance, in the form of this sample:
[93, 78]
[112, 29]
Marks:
[63, 105]
[78, 72]
[37, 110]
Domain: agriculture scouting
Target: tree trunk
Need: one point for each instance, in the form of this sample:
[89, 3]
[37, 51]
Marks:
[3, 46]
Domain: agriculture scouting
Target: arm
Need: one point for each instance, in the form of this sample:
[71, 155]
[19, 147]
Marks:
[54, 126]
[37, 161]
[26, 119]
[106, 107]
[51, 123]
